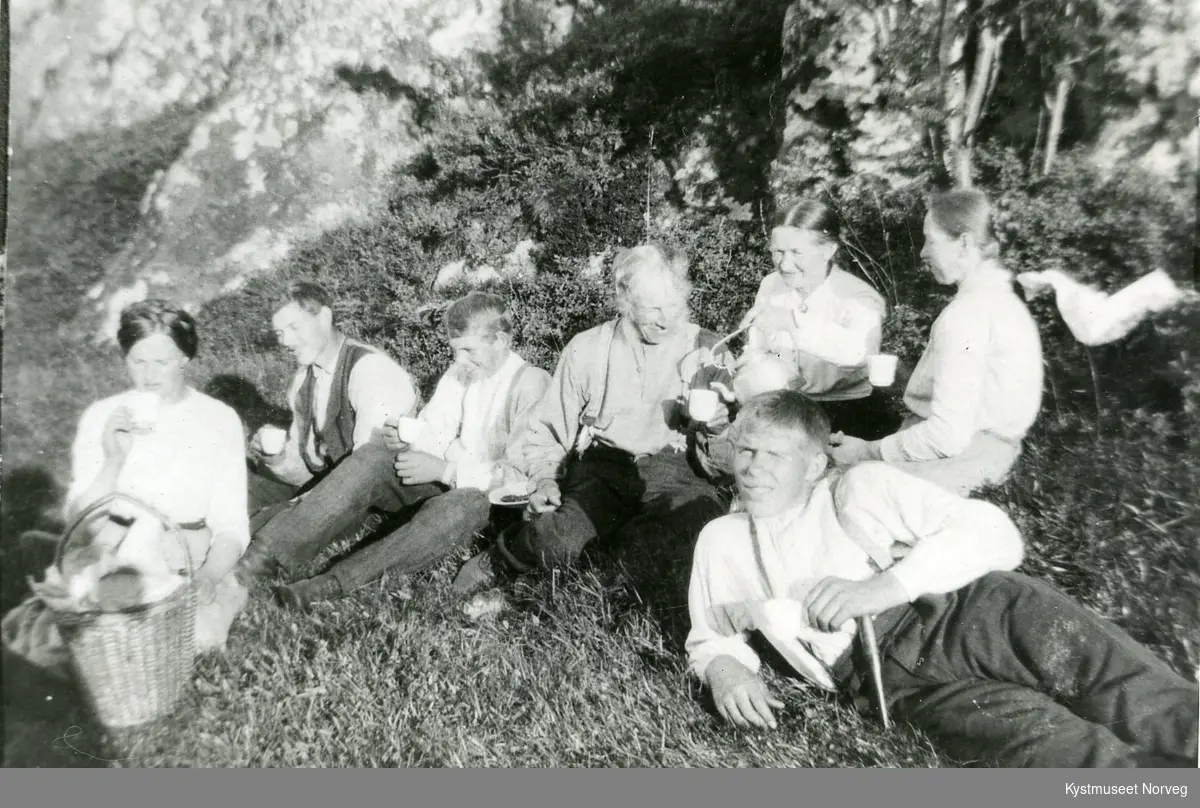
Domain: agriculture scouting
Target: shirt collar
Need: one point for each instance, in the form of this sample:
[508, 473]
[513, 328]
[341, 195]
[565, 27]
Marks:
[327, 361]
[987, 276]
[507, 368]
[777, 524]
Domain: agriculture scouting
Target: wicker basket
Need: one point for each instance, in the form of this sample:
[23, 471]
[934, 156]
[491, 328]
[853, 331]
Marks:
[133, 666]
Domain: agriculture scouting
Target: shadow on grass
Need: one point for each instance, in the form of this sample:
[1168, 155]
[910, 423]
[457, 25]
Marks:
[46, 724]
[247, 401]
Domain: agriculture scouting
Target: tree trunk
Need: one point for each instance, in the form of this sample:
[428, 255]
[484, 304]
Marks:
[1058, 109]
[953, 74]
[984, 75]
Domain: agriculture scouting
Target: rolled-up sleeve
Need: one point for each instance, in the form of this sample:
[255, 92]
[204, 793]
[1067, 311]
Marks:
[379, 389]
[938, 540]
[554, 421]
[846, 343]
[712, 607]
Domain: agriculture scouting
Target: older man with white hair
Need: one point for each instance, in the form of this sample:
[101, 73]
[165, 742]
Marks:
[607, 446]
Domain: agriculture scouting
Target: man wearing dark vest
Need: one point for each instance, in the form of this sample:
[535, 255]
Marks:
[607, 445]
[342, 394]
[472, 425]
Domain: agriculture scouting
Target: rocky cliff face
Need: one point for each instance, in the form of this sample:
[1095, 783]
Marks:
[307, 105]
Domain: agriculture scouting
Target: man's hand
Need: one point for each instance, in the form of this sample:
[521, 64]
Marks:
[117, 437]
[846, 450]
[741, 696]
[391, 435]
[833, 602]
[414, 468]
[545, 499]
[255, 449]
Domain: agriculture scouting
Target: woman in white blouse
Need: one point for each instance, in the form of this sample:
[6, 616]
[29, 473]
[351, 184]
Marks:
[823, 320]
[188, 461]
[977, 388]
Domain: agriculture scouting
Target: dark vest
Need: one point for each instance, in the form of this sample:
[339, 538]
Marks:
[334, 438]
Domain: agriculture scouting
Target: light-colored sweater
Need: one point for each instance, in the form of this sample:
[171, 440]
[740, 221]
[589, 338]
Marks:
[829, 334]
[191, 467]
[981, 372]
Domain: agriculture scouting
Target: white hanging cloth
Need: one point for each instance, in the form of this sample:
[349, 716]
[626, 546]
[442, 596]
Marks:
[1096, 318]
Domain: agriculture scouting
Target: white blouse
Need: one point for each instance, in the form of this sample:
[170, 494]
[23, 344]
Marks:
[829, 334]
[192, 467]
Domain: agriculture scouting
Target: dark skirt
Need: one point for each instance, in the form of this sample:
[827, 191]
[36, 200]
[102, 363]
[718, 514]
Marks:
[869, 418]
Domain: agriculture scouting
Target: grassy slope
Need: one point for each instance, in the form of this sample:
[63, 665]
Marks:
[581, 670]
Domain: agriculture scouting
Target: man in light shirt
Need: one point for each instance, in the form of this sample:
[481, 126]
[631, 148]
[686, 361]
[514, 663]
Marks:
[471, 425]
[341, 395]
[992, 664]
[607, 445]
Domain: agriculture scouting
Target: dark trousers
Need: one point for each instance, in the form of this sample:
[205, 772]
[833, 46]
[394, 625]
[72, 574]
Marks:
[1011, 671]
[605, 492]
[297, 531]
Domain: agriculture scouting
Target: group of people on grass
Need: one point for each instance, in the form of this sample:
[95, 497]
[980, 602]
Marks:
[839, 508]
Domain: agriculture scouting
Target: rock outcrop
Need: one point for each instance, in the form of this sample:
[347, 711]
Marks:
[307, 105]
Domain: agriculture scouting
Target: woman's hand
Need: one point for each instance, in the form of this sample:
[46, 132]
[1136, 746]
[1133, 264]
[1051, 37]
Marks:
[117, 438]
[391, 436]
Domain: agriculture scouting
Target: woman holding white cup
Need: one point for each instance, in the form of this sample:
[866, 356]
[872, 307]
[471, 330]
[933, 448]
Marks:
[828, 323]
[176, 449]
[977, 388]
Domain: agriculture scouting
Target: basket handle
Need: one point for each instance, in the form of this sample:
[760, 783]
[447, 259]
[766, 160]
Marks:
[91, 510]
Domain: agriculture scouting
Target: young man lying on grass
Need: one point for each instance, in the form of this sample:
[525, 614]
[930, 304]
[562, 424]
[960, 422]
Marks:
[990, 663]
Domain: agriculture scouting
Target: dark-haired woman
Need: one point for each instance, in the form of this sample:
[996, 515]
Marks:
[815, 314]
[977, 388]
[188, 462]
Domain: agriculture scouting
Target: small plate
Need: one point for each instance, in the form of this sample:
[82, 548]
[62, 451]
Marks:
[513, 495]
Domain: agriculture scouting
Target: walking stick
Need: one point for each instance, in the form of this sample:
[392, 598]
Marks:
[866, 630]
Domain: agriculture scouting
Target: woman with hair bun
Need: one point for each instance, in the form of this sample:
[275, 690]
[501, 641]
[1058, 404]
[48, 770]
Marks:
[977, 388]
[814, 314]
[183, 455]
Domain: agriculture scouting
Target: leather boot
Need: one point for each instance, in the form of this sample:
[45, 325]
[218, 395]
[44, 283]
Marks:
[301, 595]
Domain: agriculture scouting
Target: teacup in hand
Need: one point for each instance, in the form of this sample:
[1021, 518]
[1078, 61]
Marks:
[881, 369]
[410, 429]
[702, 405]
[143, 410]
[272, 439]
